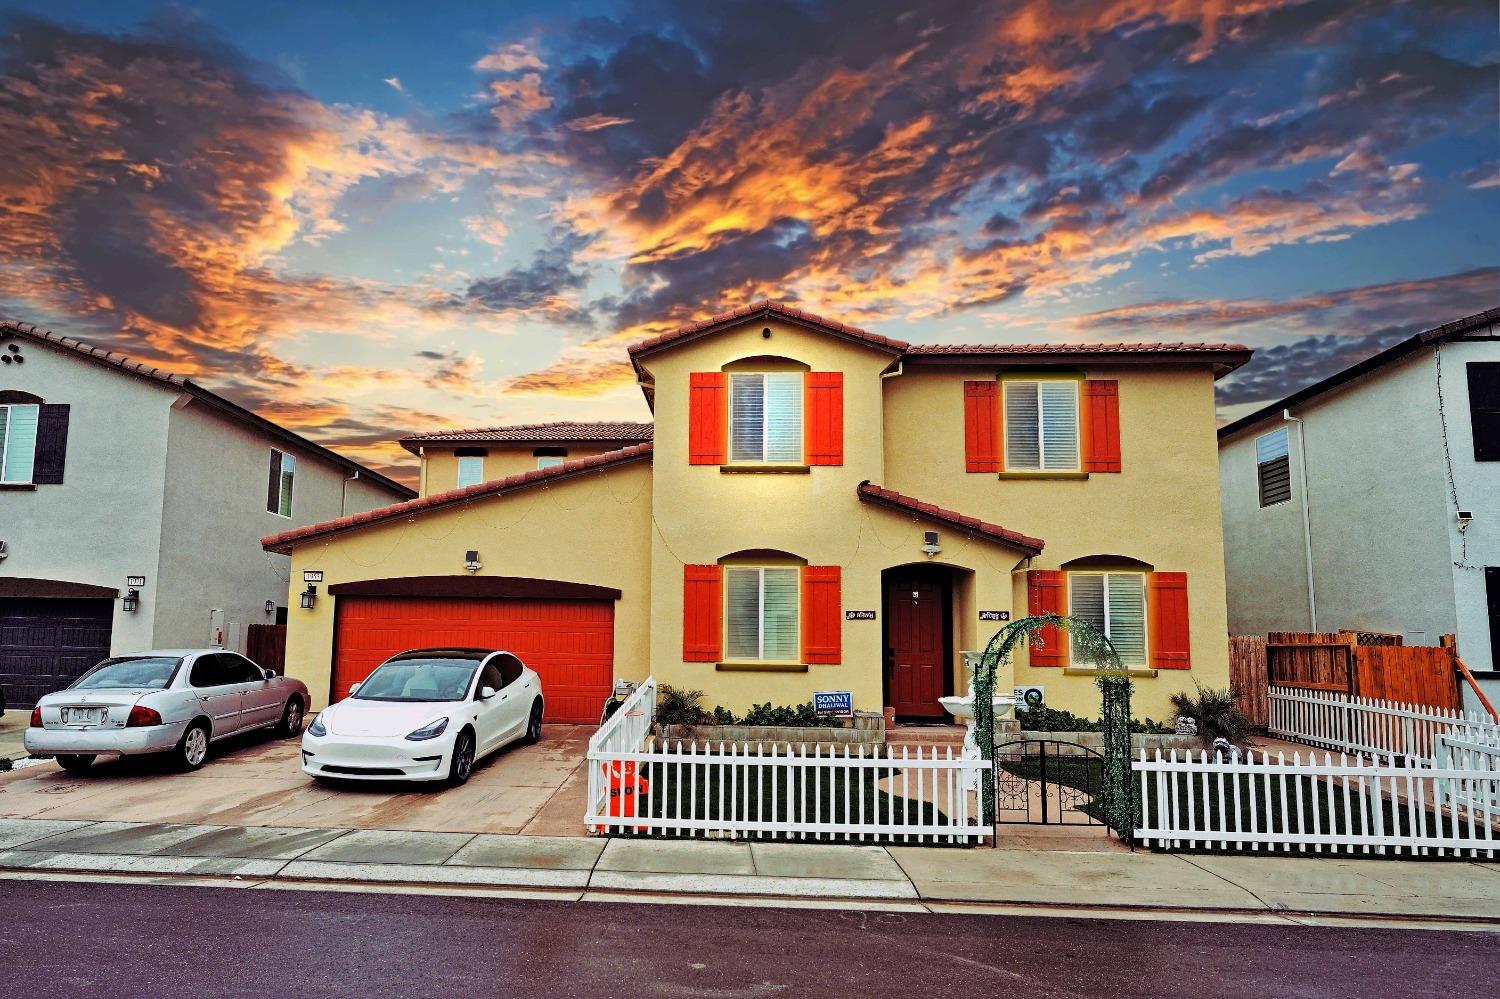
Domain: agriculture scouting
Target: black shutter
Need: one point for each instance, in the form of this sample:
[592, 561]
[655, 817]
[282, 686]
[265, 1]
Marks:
[273, 485]
[1492, 595]
[51, 444]
[1484, 409]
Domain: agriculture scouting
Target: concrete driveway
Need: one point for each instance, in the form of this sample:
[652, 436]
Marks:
[255, 781]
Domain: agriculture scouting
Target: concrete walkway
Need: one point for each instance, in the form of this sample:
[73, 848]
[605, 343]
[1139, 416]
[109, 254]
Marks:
[584, 867]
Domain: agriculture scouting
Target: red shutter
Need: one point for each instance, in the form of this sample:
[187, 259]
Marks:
[1101, 426]
[823, 421]
[821, 606]
[702, 612]
[1047, 593]
[707, 419]
[1167, 620]
[982, 426]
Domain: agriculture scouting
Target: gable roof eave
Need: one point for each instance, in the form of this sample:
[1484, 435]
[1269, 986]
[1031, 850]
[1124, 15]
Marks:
[869, 492]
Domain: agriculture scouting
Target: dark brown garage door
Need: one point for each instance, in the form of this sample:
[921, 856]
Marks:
[45, 643]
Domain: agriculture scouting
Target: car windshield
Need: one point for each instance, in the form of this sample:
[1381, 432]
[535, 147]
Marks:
[134, 671]
[419, 680]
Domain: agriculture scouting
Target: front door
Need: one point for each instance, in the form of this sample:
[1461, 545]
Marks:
[916, 652]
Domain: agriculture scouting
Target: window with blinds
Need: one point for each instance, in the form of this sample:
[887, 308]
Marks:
[1041, 426]
[17, 442]
[1115, 603]
[760, 614]
[470, 471]
[765, 417]
[1273, 468]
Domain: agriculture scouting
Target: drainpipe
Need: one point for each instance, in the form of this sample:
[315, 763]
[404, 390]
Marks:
[344, 495]
[1312, 593]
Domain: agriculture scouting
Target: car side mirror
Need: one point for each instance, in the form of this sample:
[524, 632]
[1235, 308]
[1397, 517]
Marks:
[354, 689]
[485, 693]
[267, 675]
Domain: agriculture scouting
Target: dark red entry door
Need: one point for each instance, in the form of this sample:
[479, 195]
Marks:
[916, 657]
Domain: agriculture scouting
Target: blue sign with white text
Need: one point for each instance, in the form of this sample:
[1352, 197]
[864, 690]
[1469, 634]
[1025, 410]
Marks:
[838, 703]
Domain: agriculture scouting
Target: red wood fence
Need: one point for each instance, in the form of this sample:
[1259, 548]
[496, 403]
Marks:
[265, 645]
[1363, 664]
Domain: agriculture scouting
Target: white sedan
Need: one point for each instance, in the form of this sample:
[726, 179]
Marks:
[426, 715]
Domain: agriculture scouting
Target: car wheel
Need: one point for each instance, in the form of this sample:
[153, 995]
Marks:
[291, 719]
[463, 758]
[76, 763]
[534, 724]
[192, 748]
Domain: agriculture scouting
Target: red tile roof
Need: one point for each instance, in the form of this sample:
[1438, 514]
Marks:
[107, 358]
[871, 493]
[1149, 347]
[285, 541]
[768, 308]
[561, 432]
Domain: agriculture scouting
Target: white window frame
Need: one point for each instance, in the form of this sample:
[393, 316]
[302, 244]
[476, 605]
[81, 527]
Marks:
[549, 460]
[471, 458]
[291, 499]
[1104, 574]
[765, 418]
[1041, 425]
[760, 624]
[1291, 485]
[5, 442]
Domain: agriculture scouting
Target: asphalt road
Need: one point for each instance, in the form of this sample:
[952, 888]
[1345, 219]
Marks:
[72, 939]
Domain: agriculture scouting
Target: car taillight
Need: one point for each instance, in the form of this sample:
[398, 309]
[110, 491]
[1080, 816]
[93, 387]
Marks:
[36, 717]
[142, 716]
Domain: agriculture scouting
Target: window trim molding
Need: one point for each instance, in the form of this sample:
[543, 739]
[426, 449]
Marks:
[29, 482]
[1105, 573]
[1009, 470]
[791, 565]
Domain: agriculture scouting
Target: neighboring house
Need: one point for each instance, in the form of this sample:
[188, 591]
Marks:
[110, 469]
[453, 459]
[1371, 500]
[821, 508]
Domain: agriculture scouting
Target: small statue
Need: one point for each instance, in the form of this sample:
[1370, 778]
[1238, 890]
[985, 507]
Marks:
[1186, 725]
[1226, 751]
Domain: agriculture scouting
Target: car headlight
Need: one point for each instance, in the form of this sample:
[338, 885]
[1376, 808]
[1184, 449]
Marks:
[317, 727]
[431, 730]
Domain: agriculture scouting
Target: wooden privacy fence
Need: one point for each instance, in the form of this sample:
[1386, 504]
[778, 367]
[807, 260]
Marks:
[265, 645]
[1247, 677]
[1365, 806]
[1335, 720]
[1363, 664]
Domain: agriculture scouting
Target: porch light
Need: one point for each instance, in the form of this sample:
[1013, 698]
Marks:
[471, 561]
[270, 607]
[131, 602]
[930, 546]
[309, 596]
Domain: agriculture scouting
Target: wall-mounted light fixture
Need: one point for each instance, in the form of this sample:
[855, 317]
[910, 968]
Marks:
[131, 602]
[2, 549]
[309, 596]
[471, 561]
[930, 546]
[270, 607]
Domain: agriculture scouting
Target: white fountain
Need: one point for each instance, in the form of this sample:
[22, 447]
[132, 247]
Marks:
[963, 709]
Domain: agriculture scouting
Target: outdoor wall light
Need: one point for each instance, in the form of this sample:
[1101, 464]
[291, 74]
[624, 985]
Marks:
[270, 607]
[309, 596]
[471, 561]
[131, 602]
[930, 546]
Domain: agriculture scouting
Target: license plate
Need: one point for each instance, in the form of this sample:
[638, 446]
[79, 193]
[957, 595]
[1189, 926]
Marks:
[83, 716]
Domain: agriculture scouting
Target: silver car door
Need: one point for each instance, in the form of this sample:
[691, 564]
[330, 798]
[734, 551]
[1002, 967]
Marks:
[220, 699]
[262, 703]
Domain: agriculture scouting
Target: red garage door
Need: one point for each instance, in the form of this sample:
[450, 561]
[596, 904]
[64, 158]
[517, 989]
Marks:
[569, 642]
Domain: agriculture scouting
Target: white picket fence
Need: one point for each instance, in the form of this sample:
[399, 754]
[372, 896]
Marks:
[1368, 806]
[1459, 749]
[638, 785]
[1336, 720]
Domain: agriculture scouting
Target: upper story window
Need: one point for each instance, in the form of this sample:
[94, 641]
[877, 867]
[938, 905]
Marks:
[1484, 409]
[18, 427]
[1041, 425]
[1273, 468]
[1115, 603]
[765, 417]
[761, 613]
[550, 457]
[279, 485]
[470, 470]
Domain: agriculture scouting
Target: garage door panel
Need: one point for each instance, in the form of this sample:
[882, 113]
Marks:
[570, 643]
[47, 643]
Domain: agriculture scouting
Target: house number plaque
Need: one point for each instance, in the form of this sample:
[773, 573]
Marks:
[994, 615]
[859, 615]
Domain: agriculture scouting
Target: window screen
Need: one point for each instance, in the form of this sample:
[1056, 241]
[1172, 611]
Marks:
[1115, 603]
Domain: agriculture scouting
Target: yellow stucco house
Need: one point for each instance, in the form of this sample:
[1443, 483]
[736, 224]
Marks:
[816, 508]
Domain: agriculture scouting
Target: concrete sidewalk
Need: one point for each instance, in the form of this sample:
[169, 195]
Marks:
[583, 867]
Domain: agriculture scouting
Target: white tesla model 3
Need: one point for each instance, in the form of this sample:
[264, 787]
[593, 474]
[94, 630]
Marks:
[426, 715]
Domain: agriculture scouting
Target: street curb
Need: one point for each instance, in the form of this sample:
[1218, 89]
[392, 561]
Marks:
[114, 863]
[506, 877]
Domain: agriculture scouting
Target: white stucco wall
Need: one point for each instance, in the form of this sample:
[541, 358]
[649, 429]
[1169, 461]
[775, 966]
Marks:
[215, 515]
[103, 522]
[1477, 485]
[1378, 507]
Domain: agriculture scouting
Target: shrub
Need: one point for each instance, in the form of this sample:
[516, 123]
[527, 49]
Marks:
[1216, 715]
[803, 715]
[1041, 718]
[675, 706]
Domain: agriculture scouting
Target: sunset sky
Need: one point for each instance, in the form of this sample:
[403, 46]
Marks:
[364, 224]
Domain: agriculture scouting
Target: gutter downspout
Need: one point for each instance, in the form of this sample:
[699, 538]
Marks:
[1312, 593]
[344, 495]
